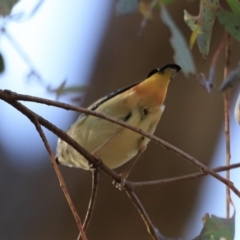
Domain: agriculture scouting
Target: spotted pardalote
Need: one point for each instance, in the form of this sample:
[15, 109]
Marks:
[140, 104]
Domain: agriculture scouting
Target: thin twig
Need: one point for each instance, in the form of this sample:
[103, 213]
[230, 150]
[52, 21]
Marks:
[207, 82]
[226, 122]
[218, 51]
[6, 94]
[34, 119]
[60, 178]
[95, 180]
[154, 232]
[59, 175]
[182, 178]
[60, 133]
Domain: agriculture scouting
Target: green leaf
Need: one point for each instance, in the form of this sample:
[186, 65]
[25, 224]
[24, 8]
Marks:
[190, 20]
[204, 22]
[216, 228]
[235, 6]
[6, 7]
[2, 65]
[183, 55]
[231, 22]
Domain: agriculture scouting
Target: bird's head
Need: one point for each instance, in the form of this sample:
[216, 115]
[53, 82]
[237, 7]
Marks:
[154, 87]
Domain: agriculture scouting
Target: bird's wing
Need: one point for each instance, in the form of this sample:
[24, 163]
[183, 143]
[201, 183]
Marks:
[99, 102]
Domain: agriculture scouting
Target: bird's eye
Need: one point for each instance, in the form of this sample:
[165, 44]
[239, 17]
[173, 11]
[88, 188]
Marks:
[153, 72]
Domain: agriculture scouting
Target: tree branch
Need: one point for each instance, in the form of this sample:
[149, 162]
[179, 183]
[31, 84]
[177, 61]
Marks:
[8, 96]
[12, 99]
[226, 122]
[35, 121]
[61, 134]
[182, 178]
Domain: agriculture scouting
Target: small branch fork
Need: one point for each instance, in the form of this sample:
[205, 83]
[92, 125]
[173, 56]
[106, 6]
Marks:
[13, 98]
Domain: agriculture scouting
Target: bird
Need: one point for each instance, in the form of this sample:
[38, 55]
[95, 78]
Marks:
[140, 105]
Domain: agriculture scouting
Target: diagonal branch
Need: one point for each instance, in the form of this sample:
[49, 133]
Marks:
[182, 178]
[8, 96]
[60, 133]
[82, 151]
[35, 121]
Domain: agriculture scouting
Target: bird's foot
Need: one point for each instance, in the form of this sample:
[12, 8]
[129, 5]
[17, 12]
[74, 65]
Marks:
[120, 185]
[96, 166]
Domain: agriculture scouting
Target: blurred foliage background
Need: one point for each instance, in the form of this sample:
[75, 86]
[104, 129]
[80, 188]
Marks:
[32, 204]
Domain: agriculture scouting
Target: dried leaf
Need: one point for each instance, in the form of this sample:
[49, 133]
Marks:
[6, 7]
[183, 55]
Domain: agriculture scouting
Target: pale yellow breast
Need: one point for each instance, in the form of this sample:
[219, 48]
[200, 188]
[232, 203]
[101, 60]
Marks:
[91, 132]
[125, 145]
